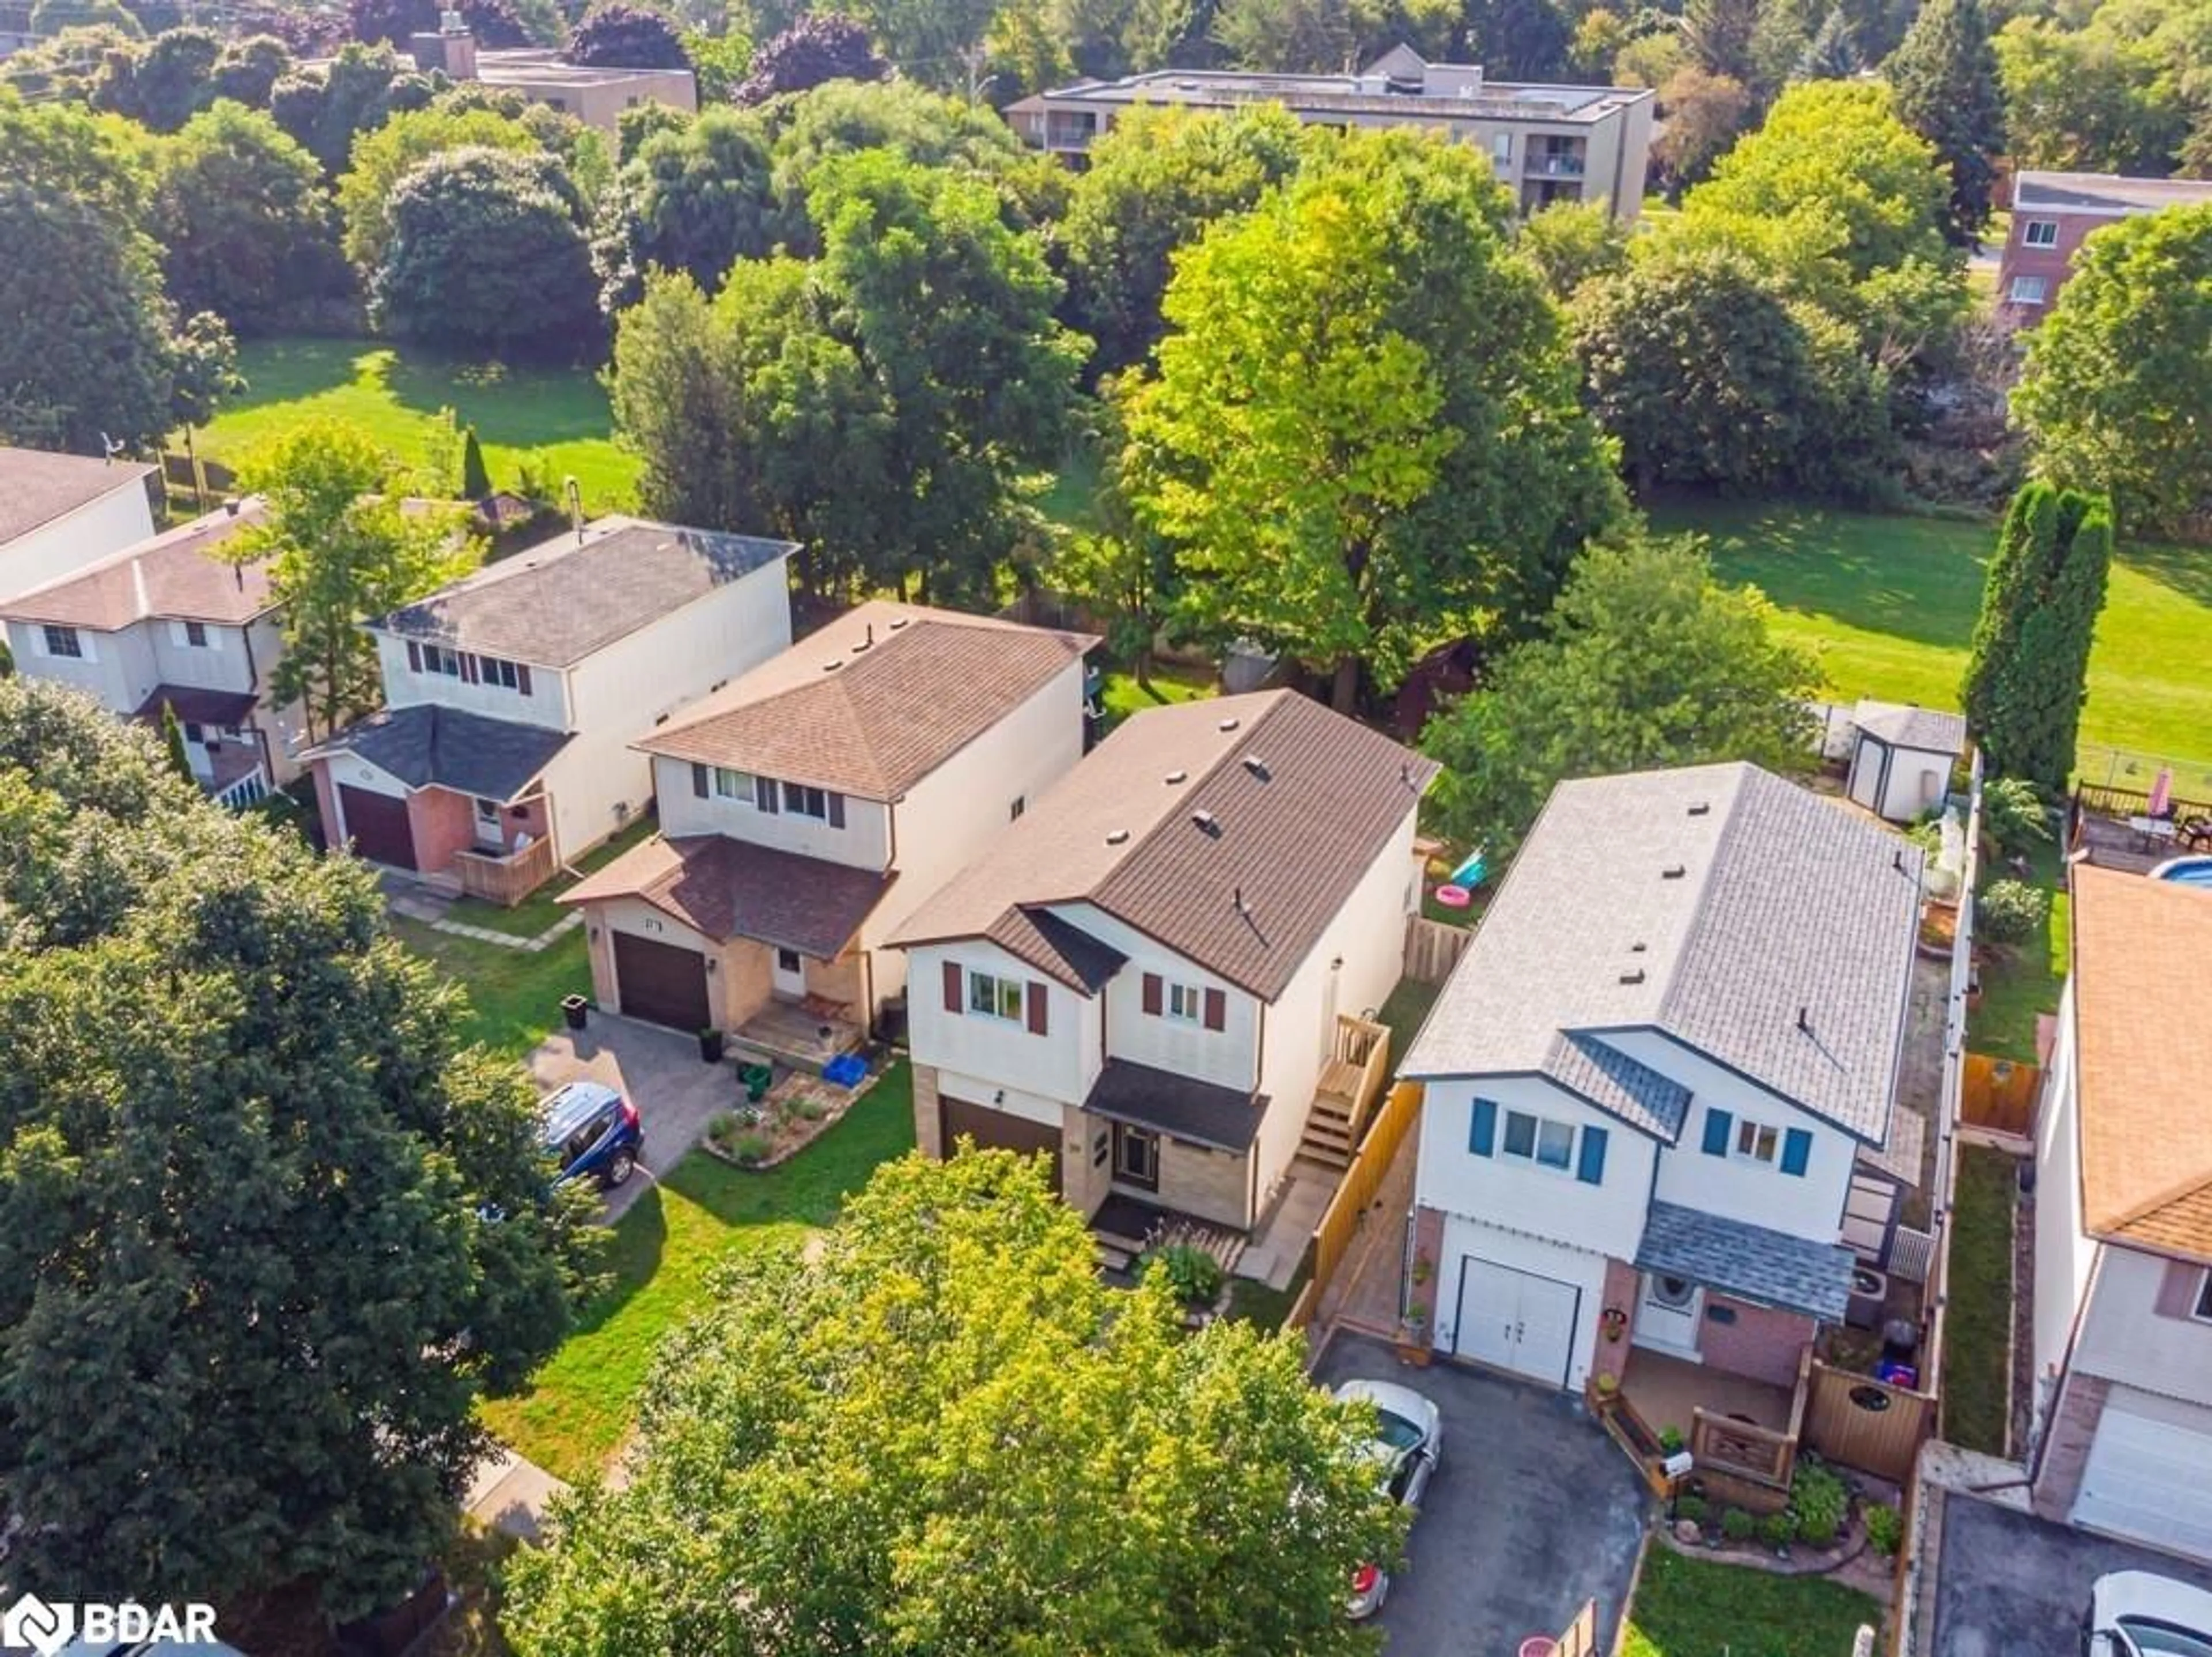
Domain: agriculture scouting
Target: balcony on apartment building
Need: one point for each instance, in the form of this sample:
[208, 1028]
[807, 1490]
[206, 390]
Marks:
[1070, 131]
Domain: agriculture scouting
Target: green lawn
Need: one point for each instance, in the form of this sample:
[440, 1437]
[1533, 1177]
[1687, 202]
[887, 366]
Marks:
[1978, 1349]
[2020, 980]
[514, 997]
[1688, 1607]
[665, 1249]
[1120, 695]
[1888, 604]
[556, 420]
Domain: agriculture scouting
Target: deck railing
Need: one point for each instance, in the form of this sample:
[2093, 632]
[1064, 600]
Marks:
[506, 880]
[1365, 1046]
[243, 791]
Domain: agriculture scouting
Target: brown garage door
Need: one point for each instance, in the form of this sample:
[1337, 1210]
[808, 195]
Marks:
[999, 1130]
[660, 982]
[378, 826]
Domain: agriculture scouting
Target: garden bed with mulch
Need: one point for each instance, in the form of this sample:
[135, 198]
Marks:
[797, 1110]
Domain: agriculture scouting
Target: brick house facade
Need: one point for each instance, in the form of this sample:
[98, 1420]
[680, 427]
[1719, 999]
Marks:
[2053, 213]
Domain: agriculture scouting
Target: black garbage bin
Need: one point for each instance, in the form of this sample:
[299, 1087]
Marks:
[573, 1009]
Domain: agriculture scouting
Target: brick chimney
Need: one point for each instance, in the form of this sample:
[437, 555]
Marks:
[451, 49]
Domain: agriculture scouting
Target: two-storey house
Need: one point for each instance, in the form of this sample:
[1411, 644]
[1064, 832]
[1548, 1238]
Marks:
[512, 697]
[1648, 1081]
[2121, 1425]
[168, 623]
[1147, 979]
[59, 512]
[807, 807]
[2054, 213]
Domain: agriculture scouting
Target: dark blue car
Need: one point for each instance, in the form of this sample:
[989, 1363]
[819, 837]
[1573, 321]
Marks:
[591, 1132]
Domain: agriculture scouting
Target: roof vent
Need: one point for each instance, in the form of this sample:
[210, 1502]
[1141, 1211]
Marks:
[897, 622]
[1226, 725]
[1205, 824]
[1673, 872]
[1634, 975]
[833, 664]
[1176, 777]
[1635, 948]
[867, 643]
[1117, 837]
[1258, 767]
[1804, 1020]
[1702, 809]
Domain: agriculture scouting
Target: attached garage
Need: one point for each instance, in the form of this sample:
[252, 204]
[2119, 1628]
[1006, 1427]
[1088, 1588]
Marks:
[377, 825]
[1514, 1319]
[661, 983]
[2147, 1478]
[999, 1130]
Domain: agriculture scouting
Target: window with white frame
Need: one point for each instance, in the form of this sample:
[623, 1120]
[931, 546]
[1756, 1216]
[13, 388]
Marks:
[487, 813]
[1540, 1139]
[1756, 1142]
[437, 658]
[64, 641]
[995, 997]
[1186, 1003]
[802, 800]
[1501, 149]
[2030, 290]
[733, 785]
[495, 671]
[195, 635]
[2039, 233]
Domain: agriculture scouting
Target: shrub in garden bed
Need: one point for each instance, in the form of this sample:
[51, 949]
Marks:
[1885, 1529]
[1777, 1531]
[2011, 911]
[1194, 1276]
[1737, 1526]
[1819, 1499]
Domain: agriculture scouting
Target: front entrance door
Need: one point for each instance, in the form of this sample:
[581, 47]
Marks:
[1666, 1313]
[1136, 1157]
[790, 974]
[1516, 1320]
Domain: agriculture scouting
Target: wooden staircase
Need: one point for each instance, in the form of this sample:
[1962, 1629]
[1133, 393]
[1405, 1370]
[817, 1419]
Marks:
[1344, 1099]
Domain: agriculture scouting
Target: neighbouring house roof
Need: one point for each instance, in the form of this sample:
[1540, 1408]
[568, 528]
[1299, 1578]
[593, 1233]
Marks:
[559, 601]
[2103, 193]
[38, 486]
[427, 746]
[730, 889]
[874, 702]
[2143, 1047]
[1180, 1105]
[1901, 1154]
[1737, 1258]
[179, 575]
[1767, 927]
[1230, 830]
[197, 705]
[1901, 725]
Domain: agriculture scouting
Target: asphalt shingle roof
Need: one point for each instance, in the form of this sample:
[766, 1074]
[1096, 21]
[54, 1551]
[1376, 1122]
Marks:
[427, 746]
[1178, 1105]
[1902, 725]
[728, 889]
[1714, 903]
[556, 603]
[179, 573]
[1737, 1258]
[38, 486]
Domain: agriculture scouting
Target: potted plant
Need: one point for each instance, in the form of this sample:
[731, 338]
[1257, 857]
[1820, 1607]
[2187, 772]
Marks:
[1424, 1269]
[710, 1045]
[1413, 1338]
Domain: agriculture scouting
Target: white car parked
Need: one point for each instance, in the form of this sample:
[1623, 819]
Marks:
[2140, 1614]
[1409, 1443]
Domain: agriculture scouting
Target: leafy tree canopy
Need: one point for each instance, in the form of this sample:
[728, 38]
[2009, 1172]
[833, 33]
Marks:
[1569, 243]
[327, 106]
[695, 199]
[388, 153]
[968, 1445]
[392, 22]
[843, 118]
[819, 46]
[1945, 80]
[621, 36]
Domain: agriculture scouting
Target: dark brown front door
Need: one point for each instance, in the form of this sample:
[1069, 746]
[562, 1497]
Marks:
[660, 982]
[999, 1130]
[377, 825]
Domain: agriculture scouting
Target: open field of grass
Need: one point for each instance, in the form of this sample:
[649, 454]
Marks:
[1888, 603]
[1700, 1608]
[663, 1254]
[555, 420]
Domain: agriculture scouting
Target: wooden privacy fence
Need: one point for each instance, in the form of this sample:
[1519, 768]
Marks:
[2000, 1094]
[1340, 1221]
[1433, 948]
[1866, 1423]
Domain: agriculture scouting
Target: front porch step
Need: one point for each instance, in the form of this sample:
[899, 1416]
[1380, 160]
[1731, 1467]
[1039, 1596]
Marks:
[1113, 1259]
[1129, 1228]
[1335, 1158]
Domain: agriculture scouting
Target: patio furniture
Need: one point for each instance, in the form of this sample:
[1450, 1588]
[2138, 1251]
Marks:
[2150, 831]
[2195, 834]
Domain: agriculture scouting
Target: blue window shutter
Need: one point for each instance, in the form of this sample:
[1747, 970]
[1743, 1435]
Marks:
[1482, 1136]
[1590, 1168]
[1796, 1151]
[1718, 1123]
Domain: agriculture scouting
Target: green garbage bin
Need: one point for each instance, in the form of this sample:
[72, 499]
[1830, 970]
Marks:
[756, 1078]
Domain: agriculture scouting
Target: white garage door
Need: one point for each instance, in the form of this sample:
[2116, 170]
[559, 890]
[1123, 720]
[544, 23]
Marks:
[2148, 1480]
[1516, 1320]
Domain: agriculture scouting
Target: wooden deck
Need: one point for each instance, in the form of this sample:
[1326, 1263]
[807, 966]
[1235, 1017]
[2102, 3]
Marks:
[798, 1034]
[1666, 1391]
[2112, 827]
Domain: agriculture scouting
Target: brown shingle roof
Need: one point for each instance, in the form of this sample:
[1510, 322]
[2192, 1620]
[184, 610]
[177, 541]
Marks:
[37, 486]
[178, 574]
[2142, 1019]
[732, 889]
[1299, 801]
[910, 688]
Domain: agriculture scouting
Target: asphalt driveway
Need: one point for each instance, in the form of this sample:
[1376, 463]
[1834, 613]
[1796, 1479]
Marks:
[1533, 1511]
[658, 1070]
[2010, 1585]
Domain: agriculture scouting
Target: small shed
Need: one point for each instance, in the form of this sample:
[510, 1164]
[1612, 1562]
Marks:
[1901, 758]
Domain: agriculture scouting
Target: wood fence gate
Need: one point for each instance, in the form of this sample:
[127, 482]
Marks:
[1433, 948]
[2000, 1094]
[1866, 1423]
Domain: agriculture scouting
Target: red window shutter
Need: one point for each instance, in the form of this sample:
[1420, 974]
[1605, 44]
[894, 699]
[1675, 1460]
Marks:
[1216, 1009]
[952, 976]
[522, 679]
[1155, 994]
[414, 657]
[1036, 1008]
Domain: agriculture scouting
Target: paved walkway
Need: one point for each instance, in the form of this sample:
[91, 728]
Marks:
[550, 935]
[511, 1495]
[1272, 1258]
[1365, 1293]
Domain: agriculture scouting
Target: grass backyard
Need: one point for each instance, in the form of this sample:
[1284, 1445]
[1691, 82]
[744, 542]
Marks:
[514, 996]
[1688, 1607]
[1977, 1353]
[1887, 605]
[1120, 695]
[554, 420]
[665, 1249]
[2019, 981]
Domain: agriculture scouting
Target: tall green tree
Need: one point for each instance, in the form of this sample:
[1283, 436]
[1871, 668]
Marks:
[1362, 435]
[344, 548]
[1646, 661]
[969, 1446]
[1944, 77]
[172, 745]
[1571, 242]
[694, 200]
[326, 105]
[251, 1291]
[385, 155]
[2118, 382]
[2028, 676]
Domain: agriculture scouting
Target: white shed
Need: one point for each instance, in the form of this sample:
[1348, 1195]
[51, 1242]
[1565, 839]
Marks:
[1901, 758]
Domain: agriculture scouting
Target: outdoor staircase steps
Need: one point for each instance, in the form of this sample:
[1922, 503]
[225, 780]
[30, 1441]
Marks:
[1329, 1139]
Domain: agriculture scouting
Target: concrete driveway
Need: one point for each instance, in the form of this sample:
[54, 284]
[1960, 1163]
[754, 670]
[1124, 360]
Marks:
[1533, 1511]
[657, 1070]
[2010, 1585]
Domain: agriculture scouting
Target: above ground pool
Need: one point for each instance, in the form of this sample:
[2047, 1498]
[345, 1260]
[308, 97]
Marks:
[2189, 871]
